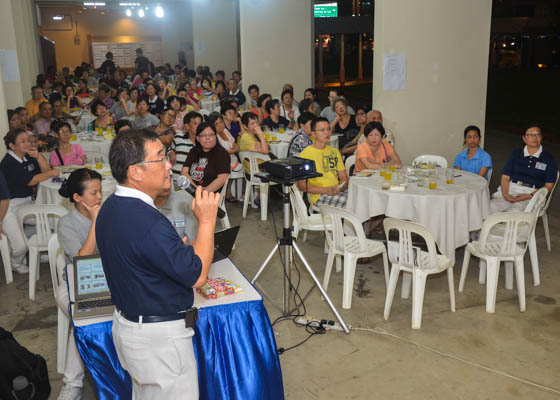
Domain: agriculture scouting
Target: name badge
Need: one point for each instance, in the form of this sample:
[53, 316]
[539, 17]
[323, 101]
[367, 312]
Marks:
[541, 166]
[178, 223]
[31, 167]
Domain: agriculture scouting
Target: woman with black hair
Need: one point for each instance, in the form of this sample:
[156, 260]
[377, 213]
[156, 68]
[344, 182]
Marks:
[208, 162]
[124, 107]
[155, 103]
[66, 153]
[103, 120]
[76, 233]
[14, 120]
[374, 153]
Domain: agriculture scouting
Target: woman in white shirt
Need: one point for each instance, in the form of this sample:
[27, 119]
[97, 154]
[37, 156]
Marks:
[288, 109]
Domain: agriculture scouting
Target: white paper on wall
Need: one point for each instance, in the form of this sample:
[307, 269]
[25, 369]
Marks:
[10, 66]
[394, 71]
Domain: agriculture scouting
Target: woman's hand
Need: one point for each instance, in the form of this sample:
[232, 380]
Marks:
[33, 152]
[93, 211]
[53, 172]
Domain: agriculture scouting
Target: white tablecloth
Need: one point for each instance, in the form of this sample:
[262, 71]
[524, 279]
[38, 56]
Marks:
[450, 211]
[93, 144]
[209, 105]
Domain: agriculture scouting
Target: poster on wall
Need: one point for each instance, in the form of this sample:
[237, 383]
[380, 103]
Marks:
[394, 71]
[124, 54]
[10, 66]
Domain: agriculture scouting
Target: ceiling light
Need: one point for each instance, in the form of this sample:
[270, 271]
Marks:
[129, 4]
[58, 17]
[141, 13]
[159, 12]
[128, 12]
[94, 3]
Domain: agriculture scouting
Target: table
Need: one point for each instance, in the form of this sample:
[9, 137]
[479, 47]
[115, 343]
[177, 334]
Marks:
[450, 211]
[209, 105]
[234, 346]
[93, 144]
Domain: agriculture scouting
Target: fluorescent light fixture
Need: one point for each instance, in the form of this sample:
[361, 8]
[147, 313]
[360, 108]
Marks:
[128, 12]
[129, 4]
[94, 3]
[159, 12]
[58, 17]
[141, 13]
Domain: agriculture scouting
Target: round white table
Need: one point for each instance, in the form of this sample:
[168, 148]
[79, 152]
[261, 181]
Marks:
[209, 105]
[450, 211]
[93, 144]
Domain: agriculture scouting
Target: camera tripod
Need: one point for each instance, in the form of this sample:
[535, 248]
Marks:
[289, 244]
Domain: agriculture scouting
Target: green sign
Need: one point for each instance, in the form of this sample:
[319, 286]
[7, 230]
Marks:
[327, 10]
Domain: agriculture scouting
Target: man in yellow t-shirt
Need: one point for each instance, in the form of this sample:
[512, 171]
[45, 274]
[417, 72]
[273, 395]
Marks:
[329, 189]
[32, 105]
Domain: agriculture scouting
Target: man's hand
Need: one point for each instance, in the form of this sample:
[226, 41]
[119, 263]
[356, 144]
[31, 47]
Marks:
[522, 197]
[509, 198]
[332, 190]
[205, 206]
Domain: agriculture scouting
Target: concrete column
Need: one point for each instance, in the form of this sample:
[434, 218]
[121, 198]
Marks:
[277, 44]
[446, 44]
[215, 34]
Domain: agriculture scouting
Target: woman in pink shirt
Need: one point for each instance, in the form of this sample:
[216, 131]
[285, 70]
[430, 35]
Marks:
[66, 154]
[374, 153]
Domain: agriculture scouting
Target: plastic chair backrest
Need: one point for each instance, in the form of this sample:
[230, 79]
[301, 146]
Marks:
[489, 175]
[298, 205]
[408, 253]
[41, 212]
[57, 261]
[204, 112]
[223, 192]
[536, 203]
[335, 217]
[253, 157]
[349, 163]
[545, 208]
[513, 223]
[428, 158]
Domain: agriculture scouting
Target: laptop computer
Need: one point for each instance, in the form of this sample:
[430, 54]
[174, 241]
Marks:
[91, 292]
[223, 243]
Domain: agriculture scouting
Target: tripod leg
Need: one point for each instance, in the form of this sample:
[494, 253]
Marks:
[318, 284]
[265, 263]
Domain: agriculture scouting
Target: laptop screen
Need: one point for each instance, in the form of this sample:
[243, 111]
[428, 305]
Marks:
[90, 277]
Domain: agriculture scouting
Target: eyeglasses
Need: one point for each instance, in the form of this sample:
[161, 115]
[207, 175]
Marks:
[533, 135]
[161, 160]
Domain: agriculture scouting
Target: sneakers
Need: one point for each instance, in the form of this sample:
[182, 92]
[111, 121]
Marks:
[20, 268]
[70, 393]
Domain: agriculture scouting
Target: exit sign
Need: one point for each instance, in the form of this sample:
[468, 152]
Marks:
[326, 10]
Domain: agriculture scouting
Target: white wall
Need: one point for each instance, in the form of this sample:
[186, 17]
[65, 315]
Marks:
[177, 33]
[446, 45]
[276, 44]
[214, 24]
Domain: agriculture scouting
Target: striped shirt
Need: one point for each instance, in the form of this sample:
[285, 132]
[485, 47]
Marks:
[182, 145]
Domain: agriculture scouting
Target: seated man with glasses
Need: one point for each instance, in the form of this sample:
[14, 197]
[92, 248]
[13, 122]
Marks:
[330, 188]
[526, 171]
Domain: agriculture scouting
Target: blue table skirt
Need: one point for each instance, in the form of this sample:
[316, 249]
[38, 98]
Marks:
[234, 346]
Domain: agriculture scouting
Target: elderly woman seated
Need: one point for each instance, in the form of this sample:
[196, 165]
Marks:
[124, 107]
[344, 122]
[207, 164]
[374, 153]
[144, 119]
[66, 153]
[103, 120]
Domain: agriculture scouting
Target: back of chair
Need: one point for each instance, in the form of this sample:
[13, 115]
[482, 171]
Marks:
[349, 163]
[428, 158]
[513, 223]
[545, 208]
[489, 175]
[408, 254]
[537, 202]
[57, 261]
[298, 205]
[335, 217]
[253, 157]
[223, 192]
[204, 112]
[41, 212]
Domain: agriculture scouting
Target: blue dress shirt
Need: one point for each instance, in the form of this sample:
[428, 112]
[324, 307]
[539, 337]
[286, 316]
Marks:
[480, 160]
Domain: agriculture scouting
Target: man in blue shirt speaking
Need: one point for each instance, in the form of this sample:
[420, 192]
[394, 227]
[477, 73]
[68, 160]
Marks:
[150, 270]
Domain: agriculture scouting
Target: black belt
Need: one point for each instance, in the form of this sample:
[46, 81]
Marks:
[524, 184]
[153, 318]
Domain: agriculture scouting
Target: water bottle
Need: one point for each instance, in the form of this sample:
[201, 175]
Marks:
[22, 388]
[90, 128]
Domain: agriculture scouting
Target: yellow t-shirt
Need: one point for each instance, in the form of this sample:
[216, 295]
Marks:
[328, 162]
[32, 107]
[246, 142]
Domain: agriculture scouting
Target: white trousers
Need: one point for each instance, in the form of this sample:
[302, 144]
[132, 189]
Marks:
[499, 204]
[12, 229]
[159, 358]
[74, 369]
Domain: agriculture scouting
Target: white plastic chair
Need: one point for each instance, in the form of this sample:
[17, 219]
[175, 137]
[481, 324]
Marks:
[252, 158]
[222, 204]
[5, 250]
[302, 220]
[204, 112]
[350, 247]
[237, 178]
[39, 241]
[495, 252]
[419, 263]
[349, 163]
[489, 176]
[427, 158]
[57, 263]
[544, 215]
[535, 206]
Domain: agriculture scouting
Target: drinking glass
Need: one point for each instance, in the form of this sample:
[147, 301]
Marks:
[98, 162]
[388, 174]
[281, 129]
[74, 138]
[274, 136]
[450, 175]
[433, 182]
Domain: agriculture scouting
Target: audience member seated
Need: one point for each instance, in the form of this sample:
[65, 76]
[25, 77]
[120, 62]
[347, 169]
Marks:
[76, 233]
[374, 153]
[144, 119]
[155, 104]
[165, 130]
[103, 119]
[376, 116]
[14, 120]
[134, 95]
[274, 119]
[124, 107]
[207, 164]
[330, 188]
[302, 138]
[473, 158]
[343, 123]
[25, 119]
[526, 171]
[254, 93]
[235, 92]
[207, 88]
[70, 100]
[165, 90]
[37, 98]
[23, 167]
[361, 121]
[260, 111]
[252, 138]
[174, 104]
[66, 153]
[290, 87]
[83, 90]
[190, 96]
[306, 105]
[184, 141]
[42, 125]
[311, 94]
[226, 140]
[328, 111]
[122, 125]
[236, 76]
[57, 92]
[57, 111]
[287, 109]
[229, 116]
[104, 95]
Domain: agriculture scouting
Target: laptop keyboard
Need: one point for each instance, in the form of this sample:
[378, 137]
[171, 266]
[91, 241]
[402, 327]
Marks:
[84, 305]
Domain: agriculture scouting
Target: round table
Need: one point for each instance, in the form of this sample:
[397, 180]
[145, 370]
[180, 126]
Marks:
[94, 144]
[450, 211]
[209, 105]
